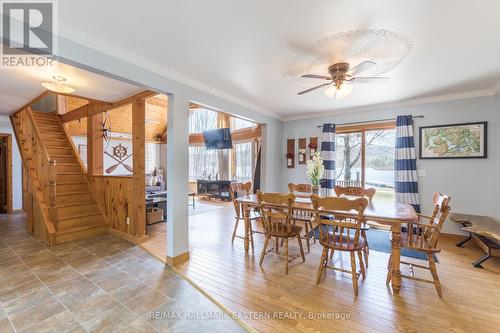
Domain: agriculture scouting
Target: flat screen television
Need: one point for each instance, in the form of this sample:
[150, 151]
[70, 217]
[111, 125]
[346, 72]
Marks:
[218, 139]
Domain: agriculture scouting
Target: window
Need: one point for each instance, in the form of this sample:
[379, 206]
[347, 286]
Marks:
[379, 168]
[238, 123]
[202, 120]
[243, 161]
[202, 163]
[365, 157]
[348, 164]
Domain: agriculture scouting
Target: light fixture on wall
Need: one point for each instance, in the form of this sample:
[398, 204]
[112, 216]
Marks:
[58, 85]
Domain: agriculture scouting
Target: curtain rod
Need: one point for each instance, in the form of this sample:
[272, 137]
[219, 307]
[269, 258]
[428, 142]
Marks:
[370, 121]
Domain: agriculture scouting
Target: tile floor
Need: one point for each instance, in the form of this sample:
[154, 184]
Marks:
[101, 284]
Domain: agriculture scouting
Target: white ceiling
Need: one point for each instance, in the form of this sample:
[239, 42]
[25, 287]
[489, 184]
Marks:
[21, 85]
[239, 47]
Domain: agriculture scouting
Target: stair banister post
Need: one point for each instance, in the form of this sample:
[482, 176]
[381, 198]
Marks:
[52, 191]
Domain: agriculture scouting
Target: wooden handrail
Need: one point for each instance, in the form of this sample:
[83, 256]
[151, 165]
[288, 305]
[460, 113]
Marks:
[41, 175]
[35, 129]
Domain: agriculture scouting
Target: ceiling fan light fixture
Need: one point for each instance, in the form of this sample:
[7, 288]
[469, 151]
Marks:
[58, 85]
[344, 90]
[330, 91]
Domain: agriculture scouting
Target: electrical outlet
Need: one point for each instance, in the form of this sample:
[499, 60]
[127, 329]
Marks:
[128, 220]
[421, 172]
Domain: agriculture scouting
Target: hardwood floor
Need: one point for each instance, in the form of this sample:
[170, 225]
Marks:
[470, 296]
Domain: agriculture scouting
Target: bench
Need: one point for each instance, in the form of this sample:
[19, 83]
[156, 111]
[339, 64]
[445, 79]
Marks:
[484, 230]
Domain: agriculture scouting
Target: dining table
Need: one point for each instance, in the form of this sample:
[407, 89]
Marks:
[389, 213]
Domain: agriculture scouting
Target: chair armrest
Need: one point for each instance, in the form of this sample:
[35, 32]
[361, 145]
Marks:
[423, 225]
[423, 216]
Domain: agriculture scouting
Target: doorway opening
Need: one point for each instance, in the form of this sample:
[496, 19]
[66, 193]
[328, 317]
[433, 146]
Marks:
[5, 173]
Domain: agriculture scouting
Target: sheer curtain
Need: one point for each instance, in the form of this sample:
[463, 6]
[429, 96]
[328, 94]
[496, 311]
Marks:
[202, 120]
[202, 163]
[243, 160]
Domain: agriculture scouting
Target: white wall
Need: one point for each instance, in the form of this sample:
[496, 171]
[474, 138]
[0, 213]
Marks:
[496, 172]
[470, 182]
[17, 165]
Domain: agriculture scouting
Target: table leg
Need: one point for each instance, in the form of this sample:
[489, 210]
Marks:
[465, 240]
[193, 203]
[246, 220]
[396, 257]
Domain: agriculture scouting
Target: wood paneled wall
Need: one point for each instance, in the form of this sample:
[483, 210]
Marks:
[115, 195]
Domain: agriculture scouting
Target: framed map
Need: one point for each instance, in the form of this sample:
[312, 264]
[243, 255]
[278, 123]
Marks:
[454, 141]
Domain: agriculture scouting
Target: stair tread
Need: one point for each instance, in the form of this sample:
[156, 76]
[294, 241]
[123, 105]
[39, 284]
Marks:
[76, 182]
[80, 215]
[73, 193]
[80, 228]
[79, 203]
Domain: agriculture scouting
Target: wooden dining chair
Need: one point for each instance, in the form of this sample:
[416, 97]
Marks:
[340, 233]
[302, 188]
[237, 190]
[276, 210]
[358, 192]
[304, 216]
[423, 237]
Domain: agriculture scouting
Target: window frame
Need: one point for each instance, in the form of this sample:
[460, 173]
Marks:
[363, 128]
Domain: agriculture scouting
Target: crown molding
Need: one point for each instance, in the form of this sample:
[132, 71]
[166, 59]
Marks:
[119, 53]
[402, 103]
[495, 89]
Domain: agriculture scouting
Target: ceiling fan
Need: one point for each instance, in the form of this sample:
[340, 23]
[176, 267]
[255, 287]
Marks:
[341, 77]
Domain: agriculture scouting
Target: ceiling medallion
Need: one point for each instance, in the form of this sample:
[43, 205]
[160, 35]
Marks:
[384, 47]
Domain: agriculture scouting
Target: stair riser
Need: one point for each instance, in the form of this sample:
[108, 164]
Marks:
[80, 234]
[51, 136]
[73, 211]
[74, 198]
[68, 159]
[58, 150]
[66, 225]
[71, 188]
[68, 168]
[70, 178]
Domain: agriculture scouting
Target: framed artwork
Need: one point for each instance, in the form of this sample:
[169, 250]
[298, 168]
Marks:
[468, 140]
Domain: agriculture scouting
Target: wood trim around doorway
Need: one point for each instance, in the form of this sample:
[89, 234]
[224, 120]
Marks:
[8, 138]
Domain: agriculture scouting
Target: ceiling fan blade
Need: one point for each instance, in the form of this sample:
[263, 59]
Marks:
[314, 76]
[365, 65]
[313, 88]
[371, 79]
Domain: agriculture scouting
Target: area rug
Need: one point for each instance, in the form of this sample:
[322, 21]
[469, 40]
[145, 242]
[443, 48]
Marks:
[378, 240]
[202, 207]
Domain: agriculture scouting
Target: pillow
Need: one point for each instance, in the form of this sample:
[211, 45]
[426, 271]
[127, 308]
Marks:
[154, 180]
[149, 181]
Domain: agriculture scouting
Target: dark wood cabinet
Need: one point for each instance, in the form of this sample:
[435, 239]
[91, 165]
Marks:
[218, 189]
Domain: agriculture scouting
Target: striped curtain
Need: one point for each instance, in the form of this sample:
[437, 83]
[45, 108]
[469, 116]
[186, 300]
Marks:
[328, 154]
[405, 164]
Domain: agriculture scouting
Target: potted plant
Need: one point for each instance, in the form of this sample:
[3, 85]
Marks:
[315, 169]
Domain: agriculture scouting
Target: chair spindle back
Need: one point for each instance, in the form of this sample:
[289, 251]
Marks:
[237, 190]
[343, 219]
[276, 211]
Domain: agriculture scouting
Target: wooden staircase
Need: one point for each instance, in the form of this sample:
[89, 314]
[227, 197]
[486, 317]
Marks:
[65, 192]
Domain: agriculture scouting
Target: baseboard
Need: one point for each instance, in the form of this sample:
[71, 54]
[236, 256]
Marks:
[127, 237]
[172, 261]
